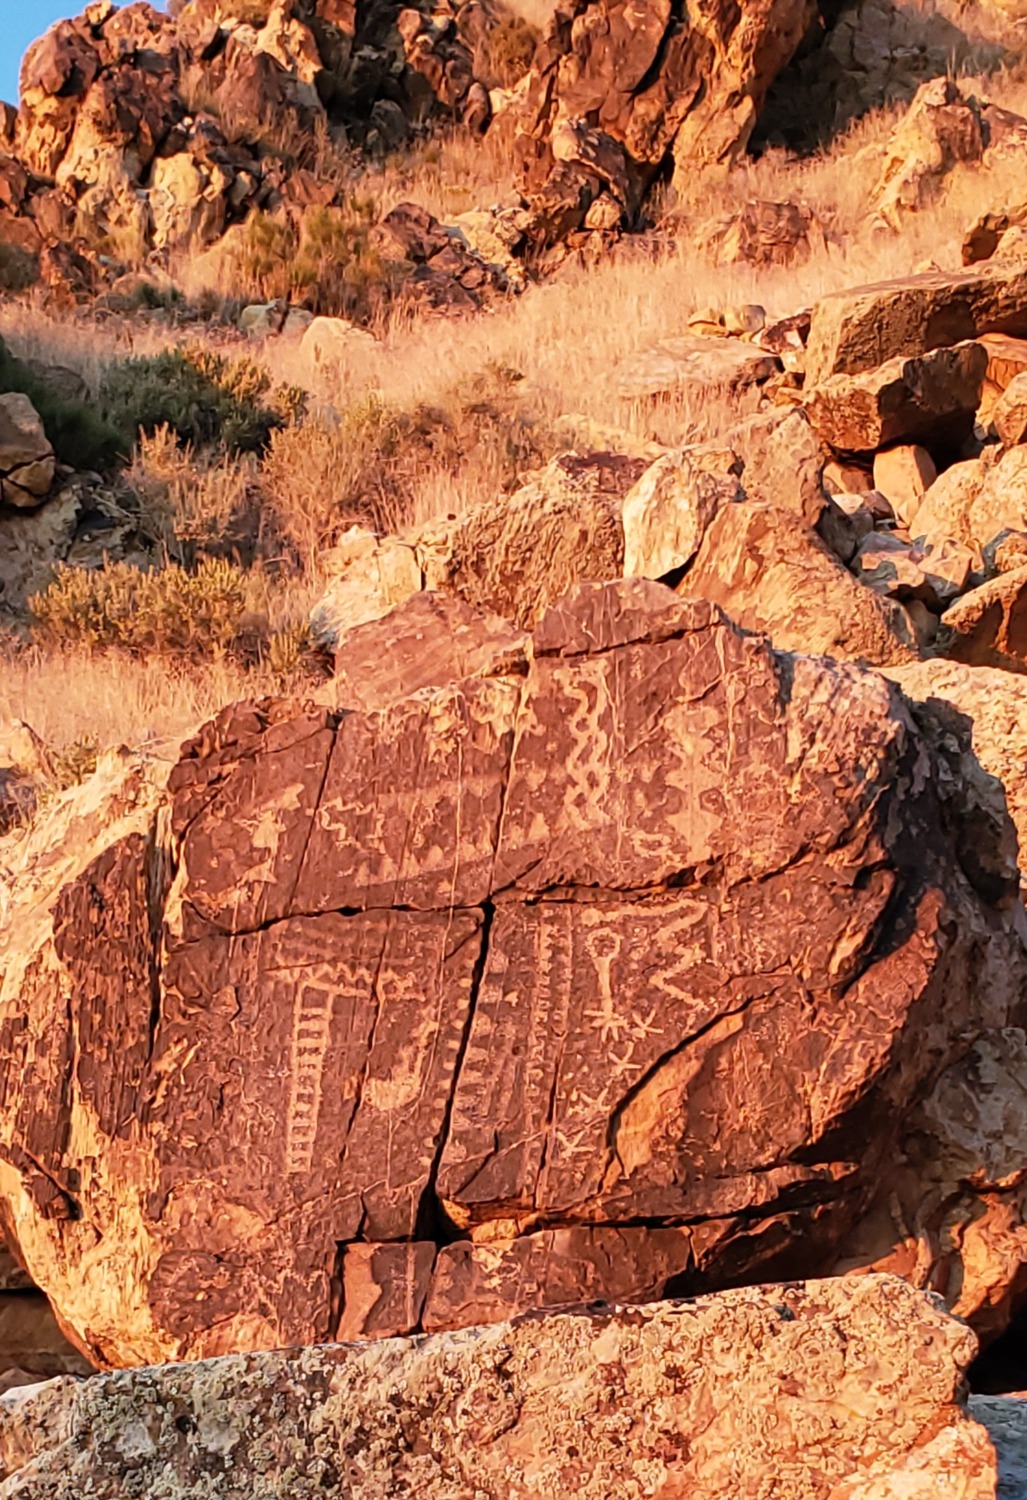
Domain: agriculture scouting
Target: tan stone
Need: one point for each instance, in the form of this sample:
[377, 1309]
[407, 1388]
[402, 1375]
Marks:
[863, 327]
[769, 572]
[841, 478]
[1009, 414]
[904, 474]
[688, 363]
[992, 707]
[330, 346]
[940, 129]
[665, 515]
[783, 462]
[368, 576]
[977, 502]
[849, 1389]
[952, 1211]
[935, 574]
[933, 395]
[27, 463]
[988, 626]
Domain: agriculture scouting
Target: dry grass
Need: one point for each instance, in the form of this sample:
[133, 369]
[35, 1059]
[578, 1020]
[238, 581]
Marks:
[110, 700]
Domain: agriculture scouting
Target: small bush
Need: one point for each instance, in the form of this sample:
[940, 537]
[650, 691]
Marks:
[79, 434]
[387, 467]
[505, 51]
[198, 614]
[329, 263]
[195, 503]
[202, 397]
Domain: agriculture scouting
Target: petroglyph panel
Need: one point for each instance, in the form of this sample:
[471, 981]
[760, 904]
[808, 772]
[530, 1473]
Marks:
[245, 794]
[632, 1030]
[643, 760]
[357, 988]
[411, 806]
[301, 1076]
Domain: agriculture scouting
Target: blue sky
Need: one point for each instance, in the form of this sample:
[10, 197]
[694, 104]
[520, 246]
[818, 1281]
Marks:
[21, 21]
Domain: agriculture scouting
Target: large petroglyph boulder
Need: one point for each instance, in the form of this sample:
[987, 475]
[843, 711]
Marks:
[620, 966]
[843, 1389]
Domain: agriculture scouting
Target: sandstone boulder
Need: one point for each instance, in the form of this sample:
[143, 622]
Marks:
[1009, 415]
[27, 463]
[665, 515]
[871, 1407]
[936, 575]
[987, 627]
[249, 1030]
[991, 706]
[941, 130]
[769, 572]
[978, 502]
[783, 462]
[512, 556]
[952, 1212]
[904, 474]
[859, 329]
[699, 365]
[931, 396]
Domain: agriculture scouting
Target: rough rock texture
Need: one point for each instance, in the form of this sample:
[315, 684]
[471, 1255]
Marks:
[700, 365]
[1009, 416]
[616, 90]
[864, 327]
[27, 463]
[978, 502]
[109, 143]
[951, 1215]
[929, 396]
[1005, 1420]
[988, 626]
[990, 706]
[824, 1391]
[769, 572]
[668, 878]
[941, 129]
[665, 515]
[512, 556]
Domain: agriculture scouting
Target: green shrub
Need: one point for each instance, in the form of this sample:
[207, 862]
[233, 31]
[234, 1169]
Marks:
[78, 432]
[204, 398]
[198, 614]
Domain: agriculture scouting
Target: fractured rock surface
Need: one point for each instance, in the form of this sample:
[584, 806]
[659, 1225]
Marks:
[820, 1391]
[653, 931]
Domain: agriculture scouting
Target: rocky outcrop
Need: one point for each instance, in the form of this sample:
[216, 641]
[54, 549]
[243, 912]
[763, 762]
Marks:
[941, 130]
[112, 145]
[513, 556]
[250, 1029]
[615, 94]
[831, 1389]
[930, 396]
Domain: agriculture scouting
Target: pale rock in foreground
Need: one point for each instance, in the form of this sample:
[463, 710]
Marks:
[829, 1390]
